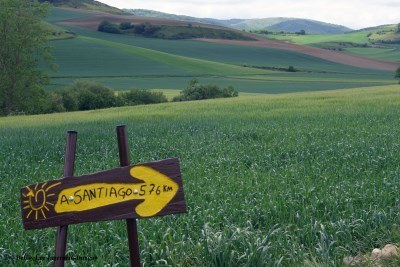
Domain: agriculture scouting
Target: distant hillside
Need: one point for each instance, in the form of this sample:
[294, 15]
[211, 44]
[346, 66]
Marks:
[161, 15]
[56, 32]
[86, 5]
[275, 24]
[383, 34]
[256, 24]
[142, 26]
[386, 34]
[309, 26]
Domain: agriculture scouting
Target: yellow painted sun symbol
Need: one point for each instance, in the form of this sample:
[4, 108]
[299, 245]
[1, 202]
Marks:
[36, 200]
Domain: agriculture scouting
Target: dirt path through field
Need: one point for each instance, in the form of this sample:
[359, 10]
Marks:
[334, 56]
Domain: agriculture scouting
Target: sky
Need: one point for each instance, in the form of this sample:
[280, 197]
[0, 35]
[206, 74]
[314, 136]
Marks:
[355, 14]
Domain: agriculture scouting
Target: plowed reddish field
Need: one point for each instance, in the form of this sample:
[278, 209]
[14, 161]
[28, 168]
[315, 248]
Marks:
[329, 55]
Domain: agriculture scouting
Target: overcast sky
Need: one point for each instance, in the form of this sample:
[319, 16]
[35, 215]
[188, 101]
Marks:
[355, 14]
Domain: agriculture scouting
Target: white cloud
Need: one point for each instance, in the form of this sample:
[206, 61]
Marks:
[352, 13]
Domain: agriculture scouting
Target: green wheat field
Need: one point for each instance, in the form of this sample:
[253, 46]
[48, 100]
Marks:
[301, 179]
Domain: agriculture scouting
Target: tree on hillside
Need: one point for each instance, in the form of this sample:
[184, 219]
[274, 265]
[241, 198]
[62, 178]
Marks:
[23, 43]
[302, 32]
[397, 74]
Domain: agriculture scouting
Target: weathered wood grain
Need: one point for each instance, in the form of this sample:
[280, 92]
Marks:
[39, 201]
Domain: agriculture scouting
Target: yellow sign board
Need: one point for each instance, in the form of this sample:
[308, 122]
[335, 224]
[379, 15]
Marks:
[134, 191]
[156, 191]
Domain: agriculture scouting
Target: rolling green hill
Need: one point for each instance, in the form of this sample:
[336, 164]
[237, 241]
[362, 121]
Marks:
[276, 24]
[57, 32]
[146, 26]
[85, 5]
[381, 42]
[162, 15]
[124, 62]
[358, 37]
[309, 26]
[387, 34]
[377, 35]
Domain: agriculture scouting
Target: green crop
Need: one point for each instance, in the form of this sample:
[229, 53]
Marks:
[125, 62]
[281, 180]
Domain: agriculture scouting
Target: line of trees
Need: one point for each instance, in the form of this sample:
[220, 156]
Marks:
[301, 32]
[89, 95]
[145, 28]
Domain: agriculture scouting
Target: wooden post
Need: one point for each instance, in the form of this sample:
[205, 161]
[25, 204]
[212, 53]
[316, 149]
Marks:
[155, 189]
[69, 161]
[131, 225]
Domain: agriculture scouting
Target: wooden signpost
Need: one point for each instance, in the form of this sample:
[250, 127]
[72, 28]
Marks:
[130, 192]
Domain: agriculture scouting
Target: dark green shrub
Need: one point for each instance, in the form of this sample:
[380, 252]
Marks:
[197, 91]
[229, 92]
[149, 29]
[139, 29]
[87, 95]
[93, 95]
[106, 26]
[70, 100]
[83, 95]
[142, 97]
[125, 26]
[33, 101]
[302, 32]
[56, 103]
[87, 100]
[146, 29]
[397, 74]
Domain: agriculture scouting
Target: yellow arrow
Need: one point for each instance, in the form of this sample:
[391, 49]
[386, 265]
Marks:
[157, 190]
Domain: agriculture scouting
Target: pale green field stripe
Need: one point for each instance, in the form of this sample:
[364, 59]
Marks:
[306, 100]
[310, 39]
[380, 53]
[191, 64]
[311, 79]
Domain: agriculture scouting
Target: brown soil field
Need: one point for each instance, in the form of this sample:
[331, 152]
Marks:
[334, 56]
[94, 18]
